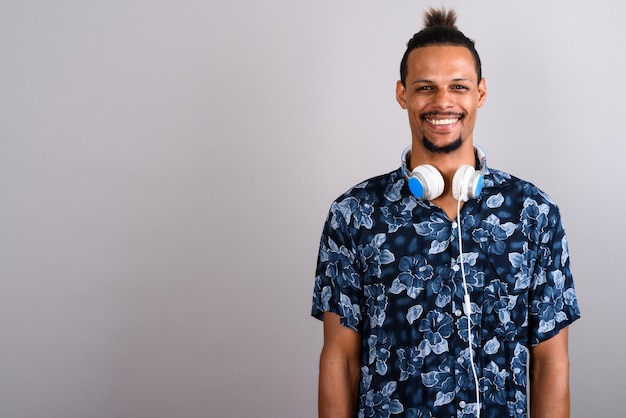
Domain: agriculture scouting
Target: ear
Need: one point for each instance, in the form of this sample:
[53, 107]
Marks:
[482, 92]
[401, 94]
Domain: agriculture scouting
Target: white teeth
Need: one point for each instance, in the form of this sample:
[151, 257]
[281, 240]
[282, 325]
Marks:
[442, 121]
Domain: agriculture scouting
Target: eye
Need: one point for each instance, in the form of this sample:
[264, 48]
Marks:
[460, 87]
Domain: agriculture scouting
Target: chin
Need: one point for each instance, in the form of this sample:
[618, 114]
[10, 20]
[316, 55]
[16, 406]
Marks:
[443, 149]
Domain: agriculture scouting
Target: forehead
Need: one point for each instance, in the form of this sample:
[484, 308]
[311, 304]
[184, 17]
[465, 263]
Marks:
[441, 61]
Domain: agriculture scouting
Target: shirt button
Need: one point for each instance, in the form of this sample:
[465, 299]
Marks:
[458, 312]
[454, 224]
[456, 267]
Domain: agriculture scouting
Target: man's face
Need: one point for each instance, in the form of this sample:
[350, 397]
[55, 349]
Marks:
[441, 96]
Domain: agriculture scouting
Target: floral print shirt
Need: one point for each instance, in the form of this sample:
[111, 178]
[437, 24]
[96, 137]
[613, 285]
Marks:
[389, 266]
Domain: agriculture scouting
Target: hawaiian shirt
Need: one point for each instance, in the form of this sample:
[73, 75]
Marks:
[389, 266]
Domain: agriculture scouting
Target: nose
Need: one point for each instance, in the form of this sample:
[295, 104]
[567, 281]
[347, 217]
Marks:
[443, 99]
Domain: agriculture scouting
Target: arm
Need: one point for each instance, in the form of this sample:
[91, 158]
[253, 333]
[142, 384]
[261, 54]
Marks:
[340, 364]
[549, 378]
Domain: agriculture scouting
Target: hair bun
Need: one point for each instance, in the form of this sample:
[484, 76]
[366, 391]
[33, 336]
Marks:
[440, 17]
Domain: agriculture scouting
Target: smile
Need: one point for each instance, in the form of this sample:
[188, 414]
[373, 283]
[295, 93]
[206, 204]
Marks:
[439, 122]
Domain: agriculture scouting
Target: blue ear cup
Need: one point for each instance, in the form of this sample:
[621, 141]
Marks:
[426, 182]
[467, 183]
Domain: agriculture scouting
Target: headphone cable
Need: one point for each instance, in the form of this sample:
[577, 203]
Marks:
[467, 307]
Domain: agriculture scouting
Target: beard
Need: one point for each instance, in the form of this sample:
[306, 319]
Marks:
[446, 149]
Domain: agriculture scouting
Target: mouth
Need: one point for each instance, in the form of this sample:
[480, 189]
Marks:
[439, 122]
[443, 121]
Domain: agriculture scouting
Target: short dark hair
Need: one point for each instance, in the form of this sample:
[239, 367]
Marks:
[439, 29]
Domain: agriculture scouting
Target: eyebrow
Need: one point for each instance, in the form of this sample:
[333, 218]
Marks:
[454, 80]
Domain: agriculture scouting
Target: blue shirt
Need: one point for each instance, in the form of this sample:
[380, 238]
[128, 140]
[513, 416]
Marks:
[389, 266]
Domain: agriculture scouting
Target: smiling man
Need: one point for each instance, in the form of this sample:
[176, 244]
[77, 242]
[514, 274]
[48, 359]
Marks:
[442, 282]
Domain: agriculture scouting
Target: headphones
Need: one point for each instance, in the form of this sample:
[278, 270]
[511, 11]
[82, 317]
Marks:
[426, 182]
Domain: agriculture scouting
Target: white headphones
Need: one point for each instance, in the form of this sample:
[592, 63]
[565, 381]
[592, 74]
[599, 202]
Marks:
[426, 182]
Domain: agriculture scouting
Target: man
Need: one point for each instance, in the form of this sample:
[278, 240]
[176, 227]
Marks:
[418, 265]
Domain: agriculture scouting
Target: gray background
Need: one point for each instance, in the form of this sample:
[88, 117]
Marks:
[166, 167]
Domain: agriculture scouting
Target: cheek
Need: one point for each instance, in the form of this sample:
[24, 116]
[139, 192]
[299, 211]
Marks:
[469, 121]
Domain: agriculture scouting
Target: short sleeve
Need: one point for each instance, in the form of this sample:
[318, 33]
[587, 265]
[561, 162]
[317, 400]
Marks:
[338, 283]
[553, 300]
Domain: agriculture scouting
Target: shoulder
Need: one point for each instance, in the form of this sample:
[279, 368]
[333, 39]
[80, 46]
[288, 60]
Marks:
[374, 190]
[358, 204]
[510, 199]
[515, 189]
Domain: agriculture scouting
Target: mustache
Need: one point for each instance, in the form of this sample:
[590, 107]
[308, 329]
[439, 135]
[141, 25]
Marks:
[459, 115]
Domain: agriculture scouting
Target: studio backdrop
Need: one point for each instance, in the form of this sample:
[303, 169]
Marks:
[166, 168]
